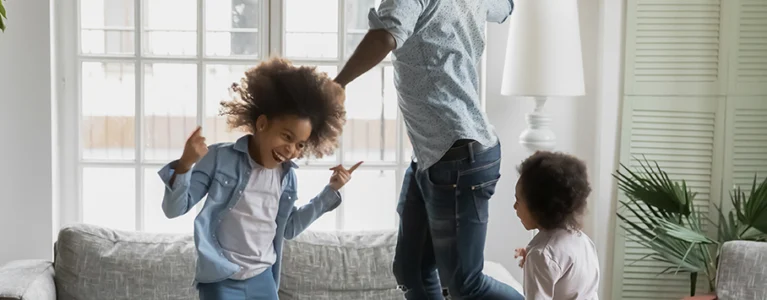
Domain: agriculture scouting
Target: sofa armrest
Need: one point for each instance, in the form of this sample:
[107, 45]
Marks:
[742, 271]
[27, 280]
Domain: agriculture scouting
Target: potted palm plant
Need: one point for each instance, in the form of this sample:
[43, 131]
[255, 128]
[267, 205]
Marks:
[659, 214]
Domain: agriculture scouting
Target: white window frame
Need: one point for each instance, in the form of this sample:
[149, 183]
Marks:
[68, 59]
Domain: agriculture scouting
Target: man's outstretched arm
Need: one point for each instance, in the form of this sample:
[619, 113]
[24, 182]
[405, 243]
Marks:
[390, 26]
[374, 47]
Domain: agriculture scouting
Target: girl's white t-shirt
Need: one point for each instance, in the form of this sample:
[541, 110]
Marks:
[561, 265]
[247, 230]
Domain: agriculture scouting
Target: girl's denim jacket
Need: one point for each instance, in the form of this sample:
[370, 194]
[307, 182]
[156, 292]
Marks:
[222, 174]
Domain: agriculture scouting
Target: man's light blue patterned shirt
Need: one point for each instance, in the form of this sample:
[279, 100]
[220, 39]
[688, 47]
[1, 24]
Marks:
[439, 48]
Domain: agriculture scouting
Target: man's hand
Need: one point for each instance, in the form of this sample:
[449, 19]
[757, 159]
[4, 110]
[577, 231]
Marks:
[341, 175]
[521, 252]
[194, 150]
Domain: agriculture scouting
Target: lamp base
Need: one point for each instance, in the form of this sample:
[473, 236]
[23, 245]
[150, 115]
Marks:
[538, 136]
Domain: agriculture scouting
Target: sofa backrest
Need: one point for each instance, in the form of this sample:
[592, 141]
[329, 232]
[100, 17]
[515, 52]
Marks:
[742, 271]
[97, 263]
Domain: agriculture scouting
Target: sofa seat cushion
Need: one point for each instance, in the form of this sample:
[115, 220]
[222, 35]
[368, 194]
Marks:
[98, 263]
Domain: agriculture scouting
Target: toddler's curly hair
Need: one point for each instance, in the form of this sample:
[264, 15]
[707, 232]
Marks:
[277, 88]
[555, 186]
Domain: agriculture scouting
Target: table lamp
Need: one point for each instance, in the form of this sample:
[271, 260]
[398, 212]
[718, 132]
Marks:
[543, 59]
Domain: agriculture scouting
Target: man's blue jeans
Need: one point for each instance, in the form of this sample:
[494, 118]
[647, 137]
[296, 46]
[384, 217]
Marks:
[443, 223]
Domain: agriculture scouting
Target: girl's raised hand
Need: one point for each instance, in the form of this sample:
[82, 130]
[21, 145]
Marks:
[194, 149]
[341, 175]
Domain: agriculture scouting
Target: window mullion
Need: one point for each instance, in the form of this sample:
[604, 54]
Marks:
[200, 63]
[139, 112]
[201, 52]
[275, 22]
[74, 91]
[341, 55]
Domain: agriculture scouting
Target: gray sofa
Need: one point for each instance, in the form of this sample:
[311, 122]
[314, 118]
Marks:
[99, 264]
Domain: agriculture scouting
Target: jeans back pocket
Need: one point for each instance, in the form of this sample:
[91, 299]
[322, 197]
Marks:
[482, 193]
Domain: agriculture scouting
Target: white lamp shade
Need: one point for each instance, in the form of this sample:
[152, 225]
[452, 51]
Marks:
[543, 53]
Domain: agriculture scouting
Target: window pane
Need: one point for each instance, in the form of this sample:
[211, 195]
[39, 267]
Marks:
[107, 26]
[370, 133]
[370, 200]
[154, 218]
[357, 23]
[108, 106]
[390, 107]
[218, 80]
[310, 184]
[170, 109]
[332, 71]
[170, 27]
[109, 197]
[232, 27]
[311, 28]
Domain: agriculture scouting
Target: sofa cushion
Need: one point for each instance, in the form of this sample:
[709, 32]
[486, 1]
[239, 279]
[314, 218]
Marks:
[97, 263]
[339, 266]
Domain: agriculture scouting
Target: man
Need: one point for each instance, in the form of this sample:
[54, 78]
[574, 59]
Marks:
[437, 46]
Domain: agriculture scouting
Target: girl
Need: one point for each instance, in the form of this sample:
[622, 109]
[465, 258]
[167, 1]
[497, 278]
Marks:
[250, 184]
[561, 261]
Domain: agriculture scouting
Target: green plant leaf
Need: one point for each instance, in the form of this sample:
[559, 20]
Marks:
[753, 234]
[645, 218]
[643, 232]
[652, 186]
[2, 16]
[755, 208]
[727, 229]
[659, 214]
[683, 233]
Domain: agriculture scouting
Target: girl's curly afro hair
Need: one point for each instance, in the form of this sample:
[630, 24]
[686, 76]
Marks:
[277, 88]
[555, 186]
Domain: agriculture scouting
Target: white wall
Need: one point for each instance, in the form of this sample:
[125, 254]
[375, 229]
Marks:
[26, 110]
[609, 91]
[585, 126]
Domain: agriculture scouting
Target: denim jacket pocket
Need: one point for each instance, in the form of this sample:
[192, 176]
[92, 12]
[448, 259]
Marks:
[223, 186]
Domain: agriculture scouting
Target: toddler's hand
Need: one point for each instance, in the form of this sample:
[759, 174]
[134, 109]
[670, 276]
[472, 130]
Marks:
[341, 175]
[521, 252]
[194, 149]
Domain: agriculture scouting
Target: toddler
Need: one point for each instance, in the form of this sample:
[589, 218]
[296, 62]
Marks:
[560, 263]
